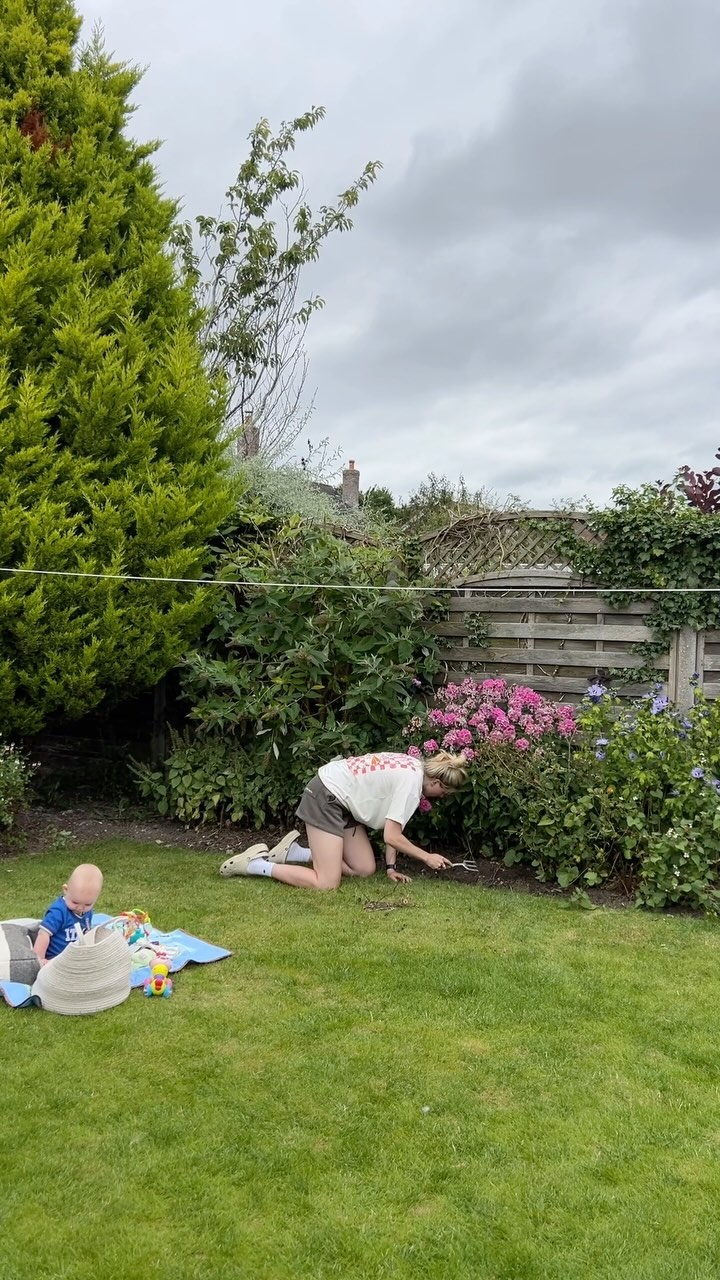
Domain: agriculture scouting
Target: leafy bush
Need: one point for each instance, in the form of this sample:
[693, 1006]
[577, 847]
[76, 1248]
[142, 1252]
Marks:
[14, 782]
[499, 728]
[652, 538]
[290, 490]
[635, 799]
[110, 452]
[289, 677]
[611, 793]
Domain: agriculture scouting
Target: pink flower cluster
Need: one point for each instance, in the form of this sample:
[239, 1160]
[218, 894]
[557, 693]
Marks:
[479, 712]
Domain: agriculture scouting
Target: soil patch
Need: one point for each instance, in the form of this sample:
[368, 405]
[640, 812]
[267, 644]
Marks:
[44, 827]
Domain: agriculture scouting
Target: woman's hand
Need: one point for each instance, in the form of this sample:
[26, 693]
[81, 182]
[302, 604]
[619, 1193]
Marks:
[397, 876]
[436, 862]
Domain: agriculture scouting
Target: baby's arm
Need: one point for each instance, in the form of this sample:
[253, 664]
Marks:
[42, 942]
[50, 924]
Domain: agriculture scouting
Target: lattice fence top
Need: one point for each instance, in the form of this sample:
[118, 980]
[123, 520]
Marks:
[497, 541]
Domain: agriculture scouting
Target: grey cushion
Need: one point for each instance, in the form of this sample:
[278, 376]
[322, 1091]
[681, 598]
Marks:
[18, 962]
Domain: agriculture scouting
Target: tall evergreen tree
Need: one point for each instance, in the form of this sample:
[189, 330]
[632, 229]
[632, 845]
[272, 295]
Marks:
[110, 459]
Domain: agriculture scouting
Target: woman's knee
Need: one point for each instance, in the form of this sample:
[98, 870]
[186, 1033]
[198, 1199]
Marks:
[328, 880]
[365, 871]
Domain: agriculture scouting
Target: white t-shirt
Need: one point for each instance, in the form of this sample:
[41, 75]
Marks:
[376, 787]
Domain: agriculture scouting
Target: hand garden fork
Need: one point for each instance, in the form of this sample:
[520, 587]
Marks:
[468, 865]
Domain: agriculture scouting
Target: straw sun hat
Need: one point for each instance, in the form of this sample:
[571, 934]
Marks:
[88, 976]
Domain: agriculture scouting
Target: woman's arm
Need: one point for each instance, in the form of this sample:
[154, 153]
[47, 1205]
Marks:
[393, 835]
[391, 867]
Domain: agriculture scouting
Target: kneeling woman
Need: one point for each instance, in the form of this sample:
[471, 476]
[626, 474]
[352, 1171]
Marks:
[347, 797]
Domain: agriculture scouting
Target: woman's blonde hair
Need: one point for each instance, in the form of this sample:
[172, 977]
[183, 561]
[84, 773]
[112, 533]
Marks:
[446, 768]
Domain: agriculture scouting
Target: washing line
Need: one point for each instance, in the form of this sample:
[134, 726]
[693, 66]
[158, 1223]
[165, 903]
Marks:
[388, 588]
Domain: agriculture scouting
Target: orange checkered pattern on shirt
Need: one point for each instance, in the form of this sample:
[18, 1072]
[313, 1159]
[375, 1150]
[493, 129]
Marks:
[379, 763]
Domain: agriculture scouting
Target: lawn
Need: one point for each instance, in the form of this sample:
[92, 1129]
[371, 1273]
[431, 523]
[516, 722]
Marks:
[485, 1085]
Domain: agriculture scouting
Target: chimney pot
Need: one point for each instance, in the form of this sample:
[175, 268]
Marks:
[351, 486]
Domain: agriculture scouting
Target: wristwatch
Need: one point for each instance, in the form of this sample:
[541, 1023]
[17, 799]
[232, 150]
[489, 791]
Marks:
[390, 866]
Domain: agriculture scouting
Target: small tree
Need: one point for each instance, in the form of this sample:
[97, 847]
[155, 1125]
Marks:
[110, 453]
[246, 271]
[700, 488]
[438, 501]
[379, 501]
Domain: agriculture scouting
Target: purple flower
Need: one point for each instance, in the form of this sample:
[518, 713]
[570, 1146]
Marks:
[686, 724]
[595, 692]
[425, 805]
[632, 755]
[602, 742]
[417, 683]
[697, 772]
[430, 747]
[660, 704]
[414, 752]
[600, 755]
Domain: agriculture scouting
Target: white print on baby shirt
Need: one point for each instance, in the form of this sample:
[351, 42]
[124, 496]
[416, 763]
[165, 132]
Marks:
[377, 787]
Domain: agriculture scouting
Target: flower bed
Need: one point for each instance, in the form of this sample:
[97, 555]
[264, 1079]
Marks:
[499, 728]
[593, 795]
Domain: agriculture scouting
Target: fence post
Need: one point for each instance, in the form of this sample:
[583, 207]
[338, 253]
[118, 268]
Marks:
[684, 655]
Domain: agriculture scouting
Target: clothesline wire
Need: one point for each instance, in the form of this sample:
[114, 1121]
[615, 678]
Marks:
[387, 588]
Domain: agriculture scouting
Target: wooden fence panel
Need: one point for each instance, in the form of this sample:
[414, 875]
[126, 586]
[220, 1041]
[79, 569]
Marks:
[498, 540]
[531, 629]
[538, 631]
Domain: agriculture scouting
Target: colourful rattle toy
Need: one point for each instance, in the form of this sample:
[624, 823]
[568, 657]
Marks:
[134, 925]
[159, 983]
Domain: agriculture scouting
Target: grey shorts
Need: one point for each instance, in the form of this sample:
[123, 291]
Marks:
[321, 809]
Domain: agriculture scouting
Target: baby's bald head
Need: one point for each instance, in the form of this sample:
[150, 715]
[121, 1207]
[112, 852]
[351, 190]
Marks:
[83, 888]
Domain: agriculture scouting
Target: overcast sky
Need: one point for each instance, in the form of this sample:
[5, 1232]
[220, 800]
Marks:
[531, 293]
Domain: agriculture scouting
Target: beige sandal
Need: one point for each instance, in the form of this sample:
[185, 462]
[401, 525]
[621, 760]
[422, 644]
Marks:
[281, 850]
[238, 865]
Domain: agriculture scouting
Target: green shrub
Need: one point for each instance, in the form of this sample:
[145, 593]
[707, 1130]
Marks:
[635, 800]
[110, 459]
[501, 729]
[610, 794]
[290, 677]
[14, 782]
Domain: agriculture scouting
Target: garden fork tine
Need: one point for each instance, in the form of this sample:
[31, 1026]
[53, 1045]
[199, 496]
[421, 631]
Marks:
[468, 865]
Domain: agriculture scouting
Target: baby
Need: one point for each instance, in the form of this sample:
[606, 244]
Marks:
[73, 909]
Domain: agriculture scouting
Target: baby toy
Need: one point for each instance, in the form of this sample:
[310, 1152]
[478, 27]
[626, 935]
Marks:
[134, 926]
[159, 983]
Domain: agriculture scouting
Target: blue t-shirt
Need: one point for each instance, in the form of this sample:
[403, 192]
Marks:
[61, 923]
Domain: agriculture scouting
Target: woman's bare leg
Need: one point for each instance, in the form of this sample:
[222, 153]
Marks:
[327, 864]
[358, 856]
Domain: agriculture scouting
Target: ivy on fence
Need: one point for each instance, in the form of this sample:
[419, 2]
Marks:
[650, 538]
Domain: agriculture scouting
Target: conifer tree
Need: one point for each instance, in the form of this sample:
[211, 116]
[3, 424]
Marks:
[110, 453]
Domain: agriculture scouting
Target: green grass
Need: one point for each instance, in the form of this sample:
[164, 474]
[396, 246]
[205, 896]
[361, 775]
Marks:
[485, 1086]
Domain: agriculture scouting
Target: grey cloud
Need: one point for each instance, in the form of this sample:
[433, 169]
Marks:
[560, 267]
[639, 147]
[531, 294]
